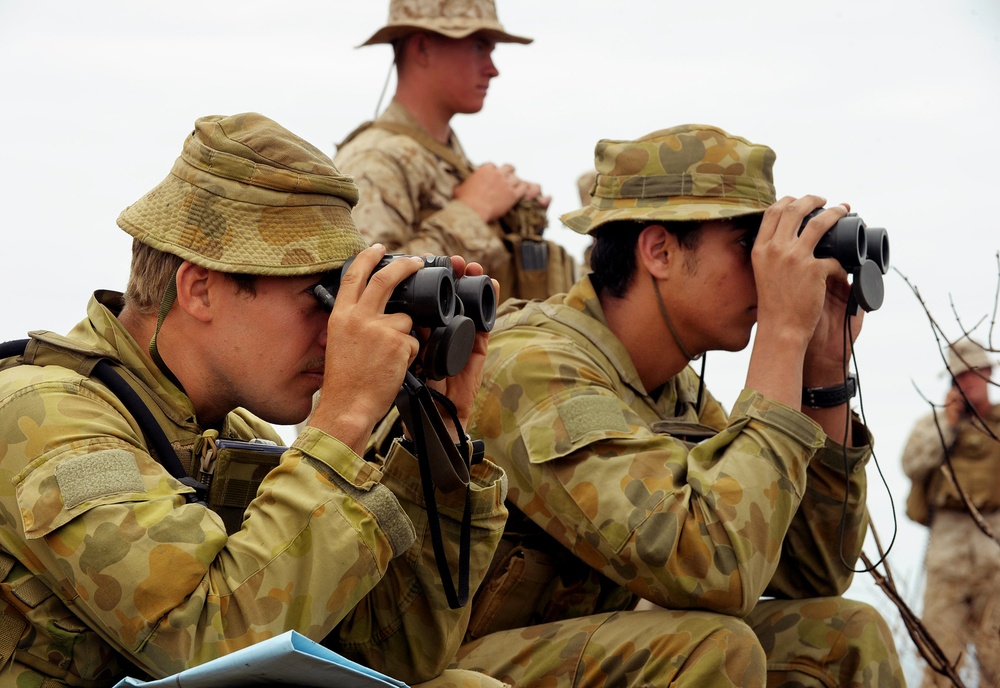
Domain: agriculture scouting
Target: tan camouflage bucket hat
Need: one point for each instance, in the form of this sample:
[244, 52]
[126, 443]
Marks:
[967, 354]
[451, 18]
[248, 196]
[689, 172]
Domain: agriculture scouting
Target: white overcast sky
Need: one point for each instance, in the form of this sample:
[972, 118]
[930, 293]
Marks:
[890, 105]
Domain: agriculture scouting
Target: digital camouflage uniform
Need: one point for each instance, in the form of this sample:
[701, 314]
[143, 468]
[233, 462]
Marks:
[610, 503]
[407, 197]
[108, 570]
[962, 590]
[407, 178]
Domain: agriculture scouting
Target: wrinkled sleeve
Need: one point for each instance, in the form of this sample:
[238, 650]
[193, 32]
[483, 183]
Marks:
[404, 206]
[405, 627]
[924, 450]
[106, 528]
[825, 538]
[699, 528]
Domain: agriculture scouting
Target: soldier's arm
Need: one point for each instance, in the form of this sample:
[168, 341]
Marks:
[825, 538]
[924, 450]
[405, 627]
[111, 533]
[398, 207]
[683, 528]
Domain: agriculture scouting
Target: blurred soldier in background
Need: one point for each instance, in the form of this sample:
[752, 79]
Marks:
[419, 192]
[629, 481]
[962, 594]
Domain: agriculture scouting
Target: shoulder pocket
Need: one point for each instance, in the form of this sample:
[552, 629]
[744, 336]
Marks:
[560, 426]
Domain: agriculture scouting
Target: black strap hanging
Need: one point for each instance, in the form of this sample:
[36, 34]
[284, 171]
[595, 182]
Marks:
[444, 466]
[157, 441]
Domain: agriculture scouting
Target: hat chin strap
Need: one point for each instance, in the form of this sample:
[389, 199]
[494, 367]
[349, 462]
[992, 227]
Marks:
[680, 345]
[670, 324]
[169, 296]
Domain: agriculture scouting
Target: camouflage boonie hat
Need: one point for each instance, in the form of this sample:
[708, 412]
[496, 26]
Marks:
[689, 172]
[967, 354]
[451, 18]
[248, 196]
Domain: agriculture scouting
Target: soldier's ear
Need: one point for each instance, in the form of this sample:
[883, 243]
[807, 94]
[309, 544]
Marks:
[657, 250]
[418, 47]
[194, 288]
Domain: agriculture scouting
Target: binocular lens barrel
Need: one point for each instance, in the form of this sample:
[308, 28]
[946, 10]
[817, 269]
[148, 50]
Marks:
[845, 241]
[427, 296]
[478, 299]
[878, 247]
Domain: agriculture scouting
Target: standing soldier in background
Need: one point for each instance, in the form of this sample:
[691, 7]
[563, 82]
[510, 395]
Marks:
[419, 192]
[962, 598]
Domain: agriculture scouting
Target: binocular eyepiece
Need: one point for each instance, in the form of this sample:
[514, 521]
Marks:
[862, 250]
[852, 242]
[452, 308]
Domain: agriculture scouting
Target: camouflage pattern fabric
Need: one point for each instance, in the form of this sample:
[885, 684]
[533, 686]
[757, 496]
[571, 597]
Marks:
[451, 18]
[248, 196]
[688, 172]
[962, 589]
[407, 197]
[755, 509]
[105, 565]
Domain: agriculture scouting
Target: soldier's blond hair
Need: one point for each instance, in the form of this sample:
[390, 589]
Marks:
[151, 273]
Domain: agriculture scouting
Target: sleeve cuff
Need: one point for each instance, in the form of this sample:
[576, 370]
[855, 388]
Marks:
[785, 419]
[331, 452]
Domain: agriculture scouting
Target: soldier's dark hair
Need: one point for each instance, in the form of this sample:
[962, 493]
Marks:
[612, 259]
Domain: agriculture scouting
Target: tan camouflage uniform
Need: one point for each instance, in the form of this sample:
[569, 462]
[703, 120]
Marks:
[610, 504]
[407, 196]
[107, 570]
[962, 589]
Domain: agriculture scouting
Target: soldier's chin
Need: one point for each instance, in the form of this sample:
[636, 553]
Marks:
[290, 414]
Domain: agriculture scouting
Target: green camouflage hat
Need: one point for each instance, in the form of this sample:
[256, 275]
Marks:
[690, 172]
[248, 196]
[451, 18]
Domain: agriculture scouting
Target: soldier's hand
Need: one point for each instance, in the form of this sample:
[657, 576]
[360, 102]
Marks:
[367, 350]
[491, 191]
[461, 389]
[804, 298]
[954, 407]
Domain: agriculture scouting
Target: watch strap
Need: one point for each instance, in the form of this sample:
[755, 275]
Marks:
[828, 397]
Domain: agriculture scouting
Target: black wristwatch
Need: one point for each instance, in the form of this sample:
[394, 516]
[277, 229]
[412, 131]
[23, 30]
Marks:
[828, 397]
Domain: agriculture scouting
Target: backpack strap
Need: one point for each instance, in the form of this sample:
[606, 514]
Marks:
[442, 151]
[163, 451]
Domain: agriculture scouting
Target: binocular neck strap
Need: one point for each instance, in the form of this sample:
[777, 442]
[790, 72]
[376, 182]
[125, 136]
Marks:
[442, 465]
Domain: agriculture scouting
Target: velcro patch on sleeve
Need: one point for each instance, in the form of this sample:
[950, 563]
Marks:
[587, 413]
[101, 474]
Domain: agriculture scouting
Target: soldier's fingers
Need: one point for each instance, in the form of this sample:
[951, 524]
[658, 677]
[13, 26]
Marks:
[355, 278]
[381, 285]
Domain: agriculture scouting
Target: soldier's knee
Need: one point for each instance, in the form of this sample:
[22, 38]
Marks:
[742, 646]
[869, 648]
[865, 626]
[726, 652]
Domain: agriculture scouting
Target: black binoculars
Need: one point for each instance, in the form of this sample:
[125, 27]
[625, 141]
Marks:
[852, 242]
[862, 250]
[453, 309]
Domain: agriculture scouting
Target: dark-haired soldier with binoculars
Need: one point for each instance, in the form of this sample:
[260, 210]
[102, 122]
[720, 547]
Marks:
[628, 480]
[151, 521]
